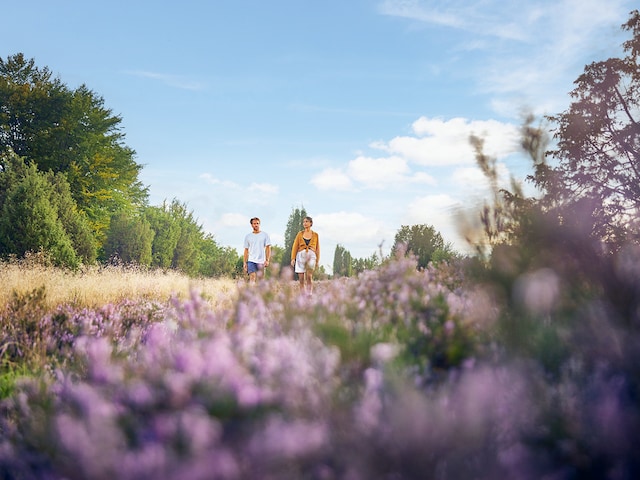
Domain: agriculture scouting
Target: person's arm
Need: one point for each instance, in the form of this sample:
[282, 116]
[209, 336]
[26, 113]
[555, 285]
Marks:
[317, 250]
[294, 249]
[246, 258]
[267, 253]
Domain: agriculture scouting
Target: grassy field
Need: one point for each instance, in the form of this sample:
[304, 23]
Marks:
[94, 286]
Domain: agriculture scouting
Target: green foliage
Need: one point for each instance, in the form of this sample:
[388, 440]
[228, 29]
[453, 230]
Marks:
[186, 253]
[294, 225]
[38, 213]
[423, 241]
[179, 242]
[216, 261]
[360, 265]
[167, 234]
[279, 260]
[342, 262]
[69, 131]
[129, 239]
[9, 375]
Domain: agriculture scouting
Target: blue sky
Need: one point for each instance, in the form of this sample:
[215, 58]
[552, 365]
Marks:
[358, 110]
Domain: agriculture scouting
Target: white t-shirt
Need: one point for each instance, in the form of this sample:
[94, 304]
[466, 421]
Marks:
[256, 243]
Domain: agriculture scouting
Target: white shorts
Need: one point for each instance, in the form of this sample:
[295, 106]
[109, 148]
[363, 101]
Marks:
[305, 261]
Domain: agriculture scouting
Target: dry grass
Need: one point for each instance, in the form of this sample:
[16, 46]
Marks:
[96, 286]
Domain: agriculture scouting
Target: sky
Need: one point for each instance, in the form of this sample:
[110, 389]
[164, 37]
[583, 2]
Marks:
[359, 111]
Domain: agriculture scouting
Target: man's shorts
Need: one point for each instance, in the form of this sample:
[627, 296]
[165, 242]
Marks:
[253, 267]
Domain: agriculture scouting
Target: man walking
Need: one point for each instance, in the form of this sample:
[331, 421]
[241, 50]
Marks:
[257, 251]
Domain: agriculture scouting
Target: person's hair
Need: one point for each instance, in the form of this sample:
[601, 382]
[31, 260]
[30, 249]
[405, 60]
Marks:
[254, 218]
[310, 219]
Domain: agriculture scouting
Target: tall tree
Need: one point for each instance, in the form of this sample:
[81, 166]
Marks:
[216, 261]
[37, 213]
[186, 253]
[598, 143]
[167, 235]
[342, 264]
[423, 241]
[294, 225]
[69, 131]
[129, 239]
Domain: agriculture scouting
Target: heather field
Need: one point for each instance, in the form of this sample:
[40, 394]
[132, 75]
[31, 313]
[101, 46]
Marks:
[511, 371]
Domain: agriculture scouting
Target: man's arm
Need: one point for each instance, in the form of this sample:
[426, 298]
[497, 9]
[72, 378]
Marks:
[267, 253]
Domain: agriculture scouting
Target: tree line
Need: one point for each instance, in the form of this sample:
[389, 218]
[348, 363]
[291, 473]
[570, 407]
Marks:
[70, 187]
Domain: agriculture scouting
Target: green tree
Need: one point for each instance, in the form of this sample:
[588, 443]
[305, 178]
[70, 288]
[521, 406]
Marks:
[294, 225]
[362, 264]
[167, 234]
[342, 264]
[598, 145]
[216, 261]
[280, 259]
[30, 221]
[186, 254]
[38, 213]
[129, 239]
[69, 131]
[423, 241]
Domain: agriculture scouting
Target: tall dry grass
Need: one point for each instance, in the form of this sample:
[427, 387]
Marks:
[96, 286]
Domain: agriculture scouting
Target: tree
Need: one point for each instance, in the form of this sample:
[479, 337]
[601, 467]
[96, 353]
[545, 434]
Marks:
[38, 213]
[341, 262]
[167, 234]
[359, 265]
[129, 239]
[294, 225]
[69, 131]
[186, 254]
[423, 241]
[598, 144]
[216, 261]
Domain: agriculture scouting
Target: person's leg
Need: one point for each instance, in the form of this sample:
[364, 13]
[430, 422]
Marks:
[301, 278]
[311, 265]
[309, 279]
[252, 269]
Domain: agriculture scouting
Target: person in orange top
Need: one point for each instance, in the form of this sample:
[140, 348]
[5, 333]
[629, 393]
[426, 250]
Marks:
[305, 255]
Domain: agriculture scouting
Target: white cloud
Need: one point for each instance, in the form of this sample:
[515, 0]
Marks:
[349, 227]
[209, 178]
[439, 211]
[378, 172]
[383, 172]
[439, 142]
[431, 209]
[469, 179]
[264, 188]
[332, 179]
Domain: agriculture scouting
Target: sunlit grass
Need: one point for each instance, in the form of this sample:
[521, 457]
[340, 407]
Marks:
[96, 286]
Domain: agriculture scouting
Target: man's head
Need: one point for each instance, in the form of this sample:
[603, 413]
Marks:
[255, 224]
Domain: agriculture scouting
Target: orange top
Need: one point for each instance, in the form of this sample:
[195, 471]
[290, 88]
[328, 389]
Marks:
[300, 244]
